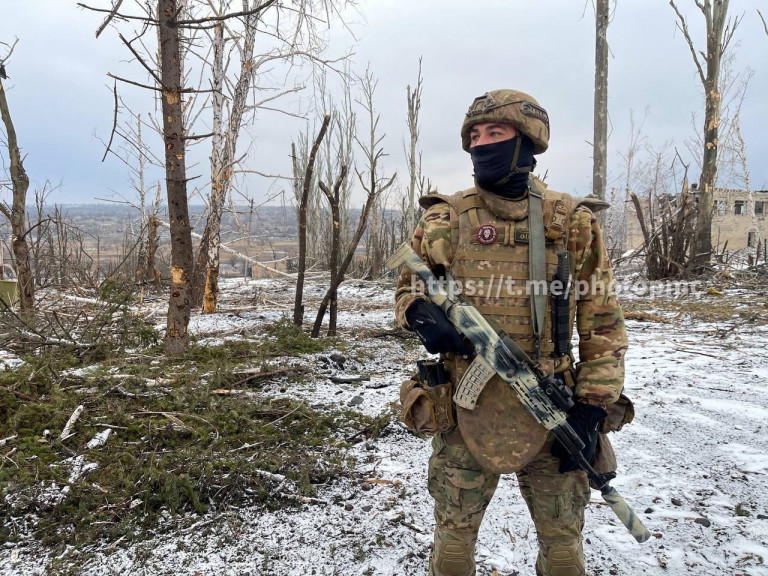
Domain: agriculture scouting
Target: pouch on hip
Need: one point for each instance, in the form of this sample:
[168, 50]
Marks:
[426, 399]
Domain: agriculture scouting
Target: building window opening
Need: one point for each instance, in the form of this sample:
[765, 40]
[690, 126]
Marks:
[721, 207]
[740, 208]
[760, 208]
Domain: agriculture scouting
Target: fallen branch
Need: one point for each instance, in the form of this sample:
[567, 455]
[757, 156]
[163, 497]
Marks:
[270, 475]
[357, 434]
[172, 415]
[19, 394]
[67, 431]
[396, 333]
[420, 530]
[256, 375]
[382, 481]
[645, 316]
[685, 350]
[8, 457]
[5, 441]
[301, 405]
[231, 392]
[245, 447]
[348, 379]
[302, 499]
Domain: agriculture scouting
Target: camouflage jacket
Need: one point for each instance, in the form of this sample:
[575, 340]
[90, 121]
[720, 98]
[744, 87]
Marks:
[599, 318]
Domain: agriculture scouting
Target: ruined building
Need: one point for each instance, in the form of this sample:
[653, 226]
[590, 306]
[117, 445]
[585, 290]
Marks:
[731, 221]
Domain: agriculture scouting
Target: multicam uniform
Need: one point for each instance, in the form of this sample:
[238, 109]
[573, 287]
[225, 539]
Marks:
[499, 436]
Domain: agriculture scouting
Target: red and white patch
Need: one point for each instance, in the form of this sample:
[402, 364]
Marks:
[487, 234]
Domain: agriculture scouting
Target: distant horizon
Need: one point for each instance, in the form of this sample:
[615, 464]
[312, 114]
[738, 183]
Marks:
[282, 205]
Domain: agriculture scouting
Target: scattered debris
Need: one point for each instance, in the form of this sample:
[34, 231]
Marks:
[67, 431]
[99, 440]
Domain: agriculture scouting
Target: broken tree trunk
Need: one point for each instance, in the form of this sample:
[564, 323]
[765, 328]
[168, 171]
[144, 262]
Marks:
[334, 200]
[719, 34]
[600, 147]
[333, 288]
[298, 305]
[17, 214]
[224, 145]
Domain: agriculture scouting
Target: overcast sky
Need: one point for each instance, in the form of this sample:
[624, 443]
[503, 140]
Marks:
[61, 99]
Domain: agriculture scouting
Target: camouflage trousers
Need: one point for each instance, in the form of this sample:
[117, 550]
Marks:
[462, 491]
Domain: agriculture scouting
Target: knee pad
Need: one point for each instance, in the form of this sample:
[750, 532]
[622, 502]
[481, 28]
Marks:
[563, 561]
[453, 558]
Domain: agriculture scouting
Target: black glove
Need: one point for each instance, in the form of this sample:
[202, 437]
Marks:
[585, 419]
[433, 328]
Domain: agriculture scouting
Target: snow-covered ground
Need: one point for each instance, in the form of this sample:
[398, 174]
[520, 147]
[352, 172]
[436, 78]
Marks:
[693, 465]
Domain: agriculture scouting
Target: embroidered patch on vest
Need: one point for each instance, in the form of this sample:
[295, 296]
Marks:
[487, 234]
[522, 235]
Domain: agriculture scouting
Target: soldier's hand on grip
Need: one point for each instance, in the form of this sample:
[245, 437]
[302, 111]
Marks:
[433, 328]
[585, 419]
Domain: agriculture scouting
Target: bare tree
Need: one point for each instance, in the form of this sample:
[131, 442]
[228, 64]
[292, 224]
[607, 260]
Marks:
[138, 158]
[334, 199]
[170, 17]
[719, 31]
[376, 185]
[765, 26]
[600, 146]
[207, 266]
[414, 107]
[631, 175]
[234, 97]
[373, 183]
[179, 305]
[298, 305]
[337, 152]
[17, 212]
[227, 123]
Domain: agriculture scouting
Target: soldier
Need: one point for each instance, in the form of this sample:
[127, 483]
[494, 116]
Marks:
[497, 238]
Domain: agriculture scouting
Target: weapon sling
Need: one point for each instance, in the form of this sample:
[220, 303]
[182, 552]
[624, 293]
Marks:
[538, 266]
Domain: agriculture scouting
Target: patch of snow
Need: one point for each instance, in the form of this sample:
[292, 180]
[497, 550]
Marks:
[695, 455]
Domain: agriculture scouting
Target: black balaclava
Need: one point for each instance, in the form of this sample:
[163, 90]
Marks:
[503, 167]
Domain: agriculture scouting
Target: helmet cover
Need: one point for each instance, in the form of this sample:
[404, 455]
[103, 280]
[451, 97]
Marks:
[509, 107]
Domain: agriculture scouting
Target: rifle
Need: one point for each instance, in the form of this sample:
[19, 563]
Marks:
[542, 395]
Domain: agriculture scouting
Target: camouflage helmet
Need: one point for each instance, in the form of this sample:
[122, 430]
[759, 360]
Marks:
[510, 107]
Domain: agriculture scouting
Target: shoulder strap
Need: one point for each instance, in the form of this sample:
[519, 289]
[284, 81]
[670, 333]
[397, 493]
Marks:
[537, 266]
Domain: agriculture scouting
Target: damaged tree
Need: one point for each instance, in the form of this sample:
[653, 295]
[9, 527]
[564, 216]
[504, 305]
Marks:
[375, 185]
[222, 146]
[179, 305]
[169, 18]
[17, 212]
[415, 182]
[228, 118]
[719, 34]
[600, 147]
[298, 303]
[334, 199]
[667, 228]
